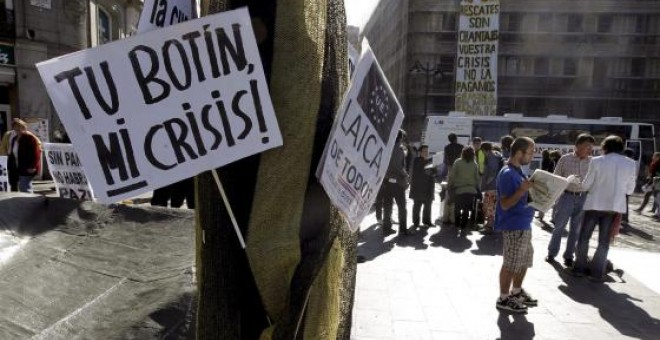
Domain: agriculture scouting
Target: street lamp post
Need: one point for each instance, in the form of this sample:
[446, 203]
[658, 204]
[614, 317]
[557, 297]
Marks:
[429, 70]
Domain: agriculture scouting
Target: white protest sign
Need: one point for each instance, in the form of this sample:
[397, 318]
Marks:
[163, 106]
[4, 175]
[360, 144]
[67, 172]
[476, 60]
[162, 13]
[38, 126]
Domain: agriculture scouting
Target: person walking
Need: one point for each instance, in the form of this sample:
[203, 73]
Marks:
[394, 188]
[422, 188]
[547, 164]
[652, 171]
[505, 144]
[570, 203]
[465, 186]
[26, 150]
[452, 153]
[610, 177]
[513, 217]
[480, 155]
[494, 163]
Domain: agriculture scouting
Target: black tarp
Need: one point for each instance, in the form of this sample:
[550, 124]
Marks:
[81, 270]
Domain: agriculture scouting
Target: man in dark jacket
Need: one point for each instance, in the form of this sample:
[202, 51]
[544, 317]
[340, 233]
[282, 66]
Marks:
[422, 187]
[394, 188]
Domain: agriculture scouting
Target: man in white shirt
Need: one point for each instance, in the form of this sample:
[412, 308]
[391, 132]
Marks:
[609, 179]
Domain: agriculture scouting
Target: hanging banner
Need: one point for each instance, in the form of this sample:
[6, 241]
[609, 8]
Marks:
[476, 60]
[162, 106]
[67, 172]
[162, 13]
[360, 144]
[4, 175]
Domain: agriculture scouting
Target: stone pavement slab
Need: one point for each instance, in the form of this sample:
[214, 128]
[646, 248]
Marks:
[442, 283]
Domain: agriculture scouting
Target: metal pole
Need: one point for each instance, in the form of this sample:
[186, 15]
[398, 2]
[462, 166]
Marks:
[428, 84]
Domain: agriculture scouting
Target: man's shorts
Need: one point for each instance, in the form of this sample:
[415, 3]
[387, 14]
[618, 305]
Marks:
[518, 251]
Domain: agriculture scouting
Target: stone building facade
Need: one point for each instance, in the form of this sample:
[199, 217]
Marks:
[581, 58]
[32, 31]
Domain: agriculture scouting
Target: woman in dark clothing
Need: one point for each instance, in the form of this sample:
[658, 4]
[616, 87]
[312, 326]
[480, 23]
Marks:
[422, 187]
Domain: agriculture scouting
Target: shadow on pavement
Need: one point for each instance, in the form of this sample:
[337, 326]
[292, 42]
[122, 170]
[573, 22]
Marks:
[515, 327]
[616, 308]
[629, 229]
[451, 238]
[371, 243]
[414, 240]
[489, 245]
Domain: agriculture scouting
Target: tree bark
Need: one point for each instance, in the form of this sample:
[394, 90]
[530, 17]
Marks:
[297, 277]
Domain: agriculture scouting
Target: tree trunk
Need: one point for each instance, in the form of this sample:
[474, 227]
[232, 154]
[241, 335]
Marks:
[296, 277]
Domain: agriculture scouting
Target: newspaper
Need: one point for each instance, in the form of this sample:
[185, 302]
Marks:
[547, 188]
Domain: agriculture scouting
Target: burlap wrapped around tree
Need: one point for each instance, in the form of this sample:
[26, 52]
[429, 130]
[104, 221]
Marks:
[296, 279]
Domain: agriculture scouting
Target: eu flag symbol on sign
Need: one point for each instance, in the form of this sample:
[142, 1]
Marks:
[378, 102]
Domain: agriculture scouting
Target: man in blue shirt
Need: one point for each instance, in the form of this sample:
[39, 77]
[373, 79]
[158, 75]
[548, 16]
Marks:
[513, 217]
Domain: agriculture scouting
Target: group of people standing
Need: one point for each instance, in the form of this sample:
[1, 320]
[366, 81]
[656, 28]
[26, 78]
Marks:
[498, 177]
[23, 151]
[597, 197]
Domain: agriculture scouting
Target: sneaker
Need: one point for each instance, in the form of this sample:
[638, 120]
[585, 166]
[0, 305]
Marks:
[526, 299]
[550, 259]
[511, 304]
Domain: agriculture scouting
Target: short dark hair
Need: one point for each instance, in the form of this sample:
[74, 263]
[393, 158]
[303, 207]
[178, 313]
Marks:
[423, 146]
[486, 146]
[521, 144]
[452, 137]
[506, 142]
[612, 143]
[400, 135]
[476, 139]
[467, 154]
[584, 138]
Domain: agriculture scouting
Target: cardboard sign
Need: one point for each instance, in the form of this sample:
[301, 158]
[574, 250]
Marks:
[166, 105]
[4, 175]
[476, 58]
[162, 13]
[67, 172]
[358, 150]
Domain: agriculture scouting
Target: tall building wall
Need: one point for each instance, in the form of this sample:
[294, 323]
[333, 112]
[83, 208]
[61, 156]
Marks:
[585, 59]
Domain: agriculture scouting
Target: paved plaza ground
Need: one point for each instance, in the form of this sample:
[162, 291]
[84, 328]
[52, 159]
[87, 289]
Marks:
[441, 283]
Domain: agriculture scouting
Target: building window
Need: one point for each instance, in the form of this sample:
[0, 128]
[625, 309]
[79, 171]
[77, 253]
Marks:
[514, 22]
[541, 66]
[574, 23]
[512, 66]
[447, 64]
[570, 67]
[654, 68]
[104, 27]
[604, 23]
[637, 67]
[640, 24]
[545, 22]
[449, 22]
